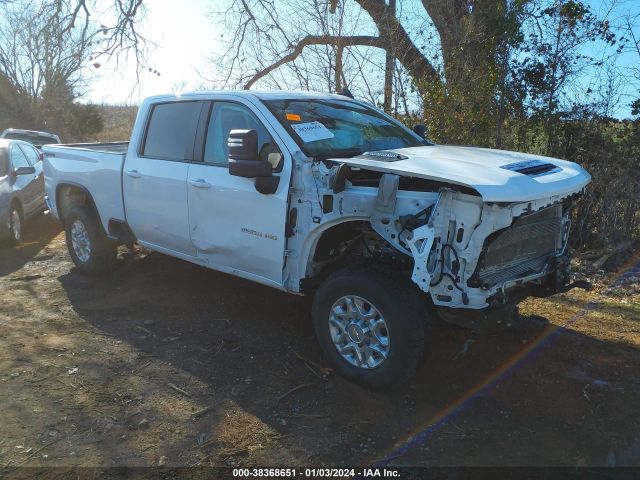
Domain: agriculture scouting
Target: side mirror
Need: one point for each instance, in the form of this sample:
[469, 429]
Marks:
[244, 159]
[421, 130]
[24, 171]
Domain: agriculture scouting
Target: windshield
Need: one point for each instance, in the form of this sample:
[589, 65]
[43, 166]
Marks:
[33, 139]
[336, 128]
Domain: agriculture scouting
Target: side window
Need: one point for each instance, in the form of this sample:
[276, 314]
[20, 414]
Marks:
[31, 154]
[18, 158]
[171, 130]
[227, 116]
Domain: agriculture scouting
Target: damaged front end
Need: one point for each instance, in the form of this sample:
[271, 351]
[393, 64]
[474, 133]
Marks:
[463, 251]
[472, 254]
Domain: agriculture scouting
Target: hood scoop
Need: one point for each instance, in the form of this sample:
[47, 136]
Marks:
[532, 168]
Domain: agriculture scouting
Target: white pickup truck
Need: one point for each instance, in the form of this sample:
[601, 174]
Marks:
[325, 195]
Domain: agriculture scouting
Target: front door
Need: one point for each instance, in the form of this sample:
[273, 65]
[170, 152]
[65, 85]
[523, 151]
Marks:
[233, 227]
[154, 179]
[33, 156]
[25, 185]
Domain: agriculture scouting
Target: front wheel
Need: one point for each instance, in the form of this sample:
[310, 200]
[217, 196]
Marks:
[371, 326]
[15, 225]
[89, 248]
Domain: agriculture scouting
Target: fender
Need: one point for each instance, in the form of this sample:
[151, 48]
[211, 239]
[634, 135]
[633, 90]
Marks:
[79, 187]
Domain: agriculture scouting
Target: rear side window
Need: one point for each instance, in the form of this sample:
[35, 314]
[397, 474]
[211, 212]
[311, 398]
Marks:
[18, 158]
[31, 154]
[171, 131]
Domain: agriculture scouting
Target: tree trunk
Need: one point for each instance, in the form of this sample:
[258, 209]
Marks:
[338, 77]
[388, 65]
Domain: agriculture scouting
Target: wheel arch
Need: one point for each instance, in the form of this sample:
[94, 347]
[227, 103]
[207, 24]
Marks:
[15, 201]
[318, 244]
[69, 195]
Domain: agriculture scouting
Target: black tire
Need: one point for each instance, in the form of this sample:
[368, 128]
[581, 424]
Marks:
[398, 301]
[15, 231]
[101, 256]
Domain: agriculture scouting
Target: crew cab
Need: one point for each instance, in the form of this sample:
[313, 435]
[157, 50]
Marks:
[320, 194]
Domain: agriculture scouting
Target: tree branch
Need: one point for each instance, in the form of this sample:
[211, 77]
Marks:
[336, 40]
[397, 38]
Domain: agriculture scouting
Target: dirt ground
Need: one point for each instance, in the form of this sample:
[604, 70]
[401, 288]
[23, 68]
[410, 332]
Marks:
[168, 363]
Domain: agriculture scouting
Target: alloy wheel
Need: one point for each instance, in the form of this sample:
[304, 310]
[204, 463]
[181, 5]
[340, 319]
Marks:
[15, 225]
[80, 241]
[359, 332]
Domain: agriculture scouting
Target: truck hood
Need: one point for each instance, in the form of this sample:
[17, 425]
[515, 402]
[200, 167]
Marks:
[497, 175]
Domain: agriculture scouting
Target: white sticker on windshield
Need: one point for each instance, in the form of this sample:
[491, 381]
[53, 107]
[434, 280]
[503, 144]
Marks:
[311, 131]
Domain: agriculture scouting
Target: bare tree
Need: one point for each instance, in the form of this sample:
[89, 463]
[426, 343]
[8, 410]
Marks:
[630, 26]
[272, 41]
[269, 35]
[36, 51]
[47, 40]
[389, 65]
[48, 49]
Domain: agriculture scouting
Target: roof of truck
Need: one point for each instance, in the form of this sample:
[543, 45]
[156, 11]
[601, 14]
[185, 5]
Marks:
[261, 94]
[283, 94]
[29, 132]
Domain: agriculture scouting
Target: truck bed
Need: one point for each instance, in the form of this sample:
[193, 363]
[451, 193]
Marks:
[94, 167]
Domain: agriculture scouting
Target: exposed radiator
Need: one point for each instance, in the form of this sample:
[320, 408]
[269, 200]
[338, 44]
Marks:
[521, 249]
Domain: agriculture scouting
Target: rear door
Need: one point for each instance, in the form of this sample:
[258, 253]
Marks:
[25, 185]
[154, 179]
[234, 227]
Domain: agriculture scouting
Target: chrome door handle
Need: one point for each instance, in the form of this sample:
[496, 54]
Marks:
[200, 183]
[134, 174]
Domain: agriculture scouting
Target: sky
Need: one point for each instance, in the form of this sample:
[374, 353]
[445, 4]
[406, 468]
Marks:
[185, 36]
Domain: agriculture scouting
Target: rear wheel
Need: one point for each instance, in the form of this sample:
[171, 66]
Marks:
[15, 223]
[371, 326]
[89, 248]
